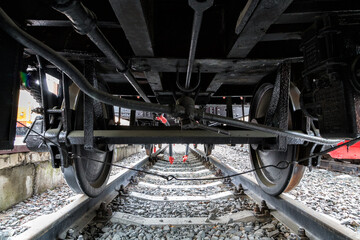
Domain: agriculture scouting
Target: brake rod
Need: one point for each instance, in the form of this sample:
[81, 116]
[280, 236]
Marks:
[199, 8]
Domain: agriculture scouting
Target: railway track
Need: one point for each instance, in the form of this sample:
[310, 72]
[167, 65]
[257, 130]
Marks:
[150, 207]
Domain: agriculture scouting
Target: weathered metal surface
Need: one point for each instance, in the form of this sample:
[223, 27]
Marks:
[344, 167]
[265, 14]
[199, 8]
[282, 36]
[207, 65]
[245, 15]
[16, 149]
[172, 136]
[65, 23]
[131, 16]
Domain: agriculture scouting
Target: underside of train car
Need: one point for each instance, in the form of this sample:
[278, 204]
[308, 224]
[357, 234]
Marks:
[190, 68]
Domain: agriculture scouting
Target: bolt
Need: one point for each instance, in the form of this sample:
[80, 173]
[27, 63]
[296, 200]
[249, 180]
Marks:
[104, 211]
[239, 190]
[256, 209]
[123, 191]
[302, 234]
[227, 181]
[133, 180]
[264, 206]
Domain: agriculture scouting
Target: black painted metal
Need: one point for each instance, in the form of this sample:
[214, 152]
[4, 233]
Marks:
[199, 8]
[229, 108]
[88, 108]
[44, 92]
[278, 110]
[132, 17]
[65, 23]
[10, 56]
[132, 117]
[307, 219]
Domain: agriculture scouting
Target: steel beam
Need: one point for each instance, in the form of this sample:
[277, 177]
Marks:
[132, 19]
[281, 36]
[65, 23]
[265, 14]
[253, 22]
[172, 136]
[309, 17]
[207, 65]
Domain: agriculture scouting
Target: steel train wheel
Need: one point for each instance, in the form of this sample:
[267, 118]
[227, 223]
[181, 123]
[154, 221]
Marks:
[273, 181]
[83, 175]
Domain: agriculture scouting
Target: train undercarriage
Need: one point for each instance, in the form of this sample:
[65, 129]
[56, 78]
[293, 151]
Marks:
[281, 76]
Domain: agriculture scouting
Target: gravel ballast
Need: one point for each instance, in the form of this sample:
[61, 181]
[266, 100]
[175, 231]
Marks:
[334, 194]
[13, 219]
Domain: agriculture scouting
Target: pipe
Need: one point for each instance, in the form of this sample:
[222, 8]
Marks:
[74, 74]
[84, 22]
[263, 128]
[193, 44]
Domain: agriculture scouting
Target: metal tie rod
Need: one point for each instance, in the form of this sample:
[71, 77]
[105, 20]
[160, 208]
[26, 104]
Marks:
[199, 7]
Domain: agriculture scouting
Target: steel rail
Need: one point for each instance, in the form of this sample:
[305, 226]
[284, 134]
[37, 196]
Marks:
[50, 227]
[317, 225]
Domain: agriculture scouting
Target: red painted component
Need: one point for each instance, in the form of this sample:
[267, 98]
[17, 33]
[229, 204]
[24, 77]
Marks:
[353, 152]
[154, 149]
[171, 159]
[185, 157]
[162, 119]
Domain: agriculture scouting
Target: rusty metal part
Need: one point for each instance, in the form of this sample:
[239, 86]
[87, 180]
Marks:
[257, 209]
[104, 212]
[239, 190]
[123, 192]
[133, 180]
[227, 181]
[218, 173]
[340, 166]
[302, 234]
[298, 173]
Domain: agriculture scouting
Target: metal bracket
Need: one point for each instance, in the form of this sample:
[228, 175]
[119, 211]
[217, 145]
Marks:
[89, 108]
